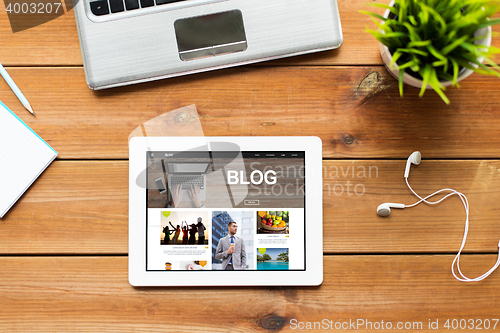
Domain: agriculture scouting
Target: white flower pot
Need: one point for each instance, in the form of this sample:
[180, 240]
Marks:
[412, 81]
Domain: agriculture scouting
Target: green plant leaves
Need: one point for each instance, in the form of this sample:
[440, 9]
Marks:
[436, 38]
[381, 5]
[456, 70]
[426, 75]
[401, 74]
[456, 43]
[490, 22]
[380, 17]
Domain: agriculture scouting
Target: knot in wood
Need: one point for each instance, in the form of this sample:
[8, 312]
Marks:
[348, 139]
[370, 84]
[272, 322]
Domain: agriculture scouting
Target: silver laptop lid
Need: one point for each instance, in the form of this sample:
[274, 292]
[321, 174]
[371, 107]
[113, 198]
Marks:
[161, 39]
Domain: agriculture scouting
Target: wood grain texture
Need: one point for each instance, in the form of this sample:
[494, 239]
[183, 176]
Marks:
[82, 207]
[68, 294]
[70, 208]
[53, 43]
[56, 42]
[79, 206]
[356, 111]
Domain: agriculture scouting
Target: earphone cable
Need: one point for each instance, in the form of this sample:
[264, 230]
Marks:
[456, 260]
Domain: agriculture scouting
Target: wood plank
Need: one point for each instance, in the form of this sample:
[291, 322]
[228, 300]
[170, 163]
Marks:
[354, 189]
[63, 294]
[70, 209]
[356, 111]
[82, 207]
[56, 42]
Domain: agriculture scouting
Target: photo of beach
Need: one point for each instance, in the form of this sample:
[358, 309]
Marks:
[272, 259]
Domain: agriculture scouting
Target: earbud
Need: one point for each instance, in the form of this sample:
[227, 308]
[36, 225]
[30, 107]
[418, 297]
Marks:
[414, 158]
[385, 208]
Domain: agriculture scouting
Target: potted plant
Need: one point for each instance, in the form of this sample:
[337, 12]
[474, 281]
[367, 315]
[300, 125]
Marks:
[433, 44]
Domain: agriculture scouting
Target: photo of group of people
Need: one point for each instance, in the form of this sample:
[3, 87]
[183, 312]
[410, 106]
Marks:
[184, 228]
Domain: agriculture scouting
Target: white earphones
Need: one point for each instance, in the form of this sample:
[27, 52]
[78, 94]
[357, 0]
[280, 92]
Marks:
[385, 209]
[414, 158]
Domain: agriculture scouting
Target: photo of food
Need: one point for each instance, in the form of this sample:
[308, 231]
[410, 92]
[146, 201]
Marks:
[273, 222]
[272, 259]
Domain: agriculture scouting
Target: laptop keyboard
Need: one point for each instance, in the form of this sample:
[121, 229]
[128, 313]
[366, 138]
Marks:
[187, 181]
[105, 7]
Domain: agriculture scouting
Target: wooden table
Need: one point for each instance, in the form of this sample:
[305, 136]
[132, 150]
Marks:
[63, 247]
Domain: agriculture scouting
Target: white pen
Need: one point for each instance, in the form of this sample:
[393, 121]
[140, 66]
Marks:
[16, 90]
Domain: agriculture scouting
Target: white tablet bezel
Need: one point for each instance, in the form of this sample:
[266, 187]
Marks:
[312, 275]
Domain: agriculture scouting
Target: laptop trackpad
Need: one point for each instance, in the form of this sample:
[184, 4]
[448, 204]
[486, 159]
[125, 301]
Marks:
[210, 35]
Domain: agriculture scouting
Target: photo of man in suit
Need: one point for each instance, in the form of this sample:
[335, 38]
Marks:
[231, 250]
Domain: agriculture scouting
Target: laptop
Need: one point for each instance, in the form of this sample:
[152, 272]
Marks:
[259, 224]
[132, 41]
[186, 175]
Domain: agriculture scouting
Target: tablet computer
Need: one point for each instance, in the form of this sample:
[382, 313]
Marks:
[232, 211]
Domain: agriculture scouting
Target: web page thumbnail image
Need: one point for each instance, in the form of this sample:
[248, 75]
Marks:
[233, 240]
[273, 222]
[272, 259]
[184, 228]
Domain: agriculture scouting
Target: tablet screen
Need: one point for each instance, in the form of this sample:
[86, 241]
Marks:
[225, 211]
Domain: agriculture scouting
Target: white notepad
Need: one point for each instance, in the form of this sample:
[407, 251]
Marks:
[23, 157]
